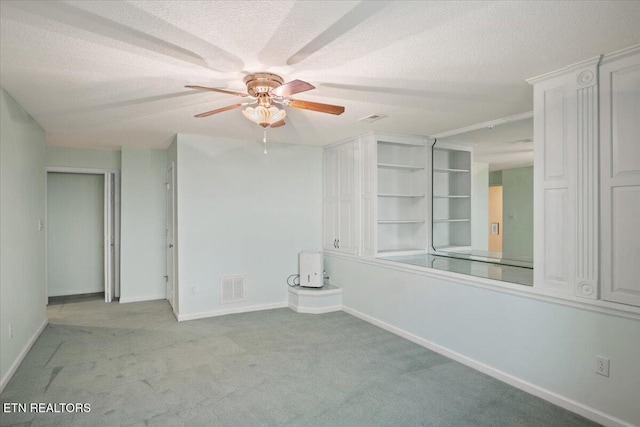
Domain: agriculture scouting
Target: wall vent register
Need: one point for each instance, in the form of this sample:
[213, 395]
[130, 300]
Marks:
[232, 288]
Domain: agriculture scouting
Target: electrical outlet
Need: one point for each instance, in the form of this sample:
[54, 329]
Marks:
[193, 290]
[11, 330]
[602, 366]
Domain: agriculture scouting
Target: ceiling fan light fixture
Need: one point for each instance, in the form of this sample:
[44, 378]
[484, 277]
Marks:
[264, 116]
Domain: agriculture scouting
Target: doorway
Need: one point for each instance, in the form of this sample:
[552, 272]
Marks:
[82, 233]
[495, 219]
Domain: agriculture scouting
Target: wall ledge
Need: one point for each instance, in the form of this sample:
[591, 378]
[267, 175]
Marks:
[598, 306]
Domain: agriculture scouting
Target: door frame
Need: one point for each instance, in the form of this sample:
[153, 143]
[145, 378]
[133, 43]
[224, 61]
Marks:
[171, 188]
[112, 263]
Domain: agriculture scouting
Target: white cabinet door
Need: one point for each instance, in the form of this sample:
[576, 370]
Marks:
[338, 200]
[346, 167]
[330, 199]
[620, 176]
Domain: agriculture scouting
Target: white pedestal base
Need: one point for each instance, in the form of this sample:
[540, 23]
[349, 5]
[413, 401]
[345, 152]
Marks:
[315, 300]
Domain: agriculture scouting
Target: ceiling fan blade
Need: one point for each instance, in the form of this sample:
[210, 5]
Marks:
[278, 124]
[316, 106]
[219, 110]
[213, 89]
[292, 87]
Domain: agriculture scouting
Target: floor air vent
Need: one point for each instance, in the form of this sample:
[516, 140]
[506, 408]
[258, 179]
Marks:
[232, 288]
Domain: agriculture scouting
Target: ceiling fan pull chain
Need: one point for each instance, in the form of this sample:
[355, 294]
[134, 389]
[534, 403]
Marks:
[264, 139]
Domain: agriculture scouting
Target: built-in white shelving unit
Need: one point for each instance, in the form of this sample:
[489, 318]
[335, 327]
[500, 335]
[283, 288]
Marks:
[401, 193]
[451, 202]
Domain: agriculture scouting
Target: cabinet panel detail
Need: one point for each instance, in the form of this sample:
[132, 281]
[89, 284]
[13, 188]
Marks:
[587, 224]
[625, 126]
[554, 134]
[555, 236]
[625, 253]
[339, 200]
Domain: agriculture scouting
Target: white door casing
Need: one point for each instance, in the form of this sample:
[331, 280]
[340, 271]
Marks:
[170, 269]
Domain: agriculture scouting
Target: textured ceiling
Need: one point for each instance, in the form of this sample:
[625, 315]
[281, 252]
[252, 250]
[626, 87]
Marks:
[110, 73]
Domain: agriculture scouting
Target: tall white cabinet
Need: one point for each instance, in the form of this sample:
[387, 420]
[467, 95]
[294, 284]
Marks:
[339, 198]
[620, 176]
[587, 179]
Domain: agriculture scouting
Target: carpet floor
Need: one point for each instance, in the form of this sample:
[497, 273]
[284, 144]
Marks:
[135, 365]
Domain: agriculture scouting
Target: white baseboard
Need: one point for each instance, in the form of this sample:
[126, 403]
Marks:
[143, 298]
[315, 310]
[75, 292]
[235, 310]
[555, 398]
[16, 363]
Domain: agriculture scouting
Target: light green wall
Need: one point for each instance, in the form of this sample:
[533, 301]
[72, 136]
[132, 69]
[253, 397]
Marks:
[143, 224]
[517, 213]
[75, 233]
[22, 245]
[93, 158]
[495, 178]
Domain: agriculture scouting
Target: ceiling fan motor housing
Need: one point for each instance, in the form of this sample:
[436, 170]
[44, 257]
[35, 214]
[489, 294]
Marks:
[262, 83]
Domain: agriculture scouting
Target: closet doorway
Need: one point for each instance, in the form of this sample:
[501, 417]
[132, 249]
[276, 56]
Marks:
[82, 217]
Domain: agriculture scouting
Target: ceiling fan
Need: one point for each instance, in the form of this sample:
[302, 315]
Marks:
[264, 91]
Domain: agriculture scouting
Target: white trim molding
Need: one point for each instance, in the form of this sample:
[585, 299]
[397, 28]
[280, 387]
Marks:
[315, 310]
[25, 350]
[235, 310]
[484, 125]
[126, 300]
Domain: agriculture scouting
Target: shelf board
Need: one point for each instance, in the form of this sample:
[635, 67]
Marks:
[451, 197]
[401, 221]
[452, 220]
[399, 167]
[445, 170]
[453, 248]
[400, 195]
[404, 251]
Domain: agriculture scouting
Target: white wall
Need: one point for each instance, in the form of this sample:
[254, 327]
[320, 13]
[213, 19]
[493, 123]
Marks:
[93, 158]
[243, 212]
[143, 224]
[550, 345]
[75, 233]
[22, 247]
[480, 206]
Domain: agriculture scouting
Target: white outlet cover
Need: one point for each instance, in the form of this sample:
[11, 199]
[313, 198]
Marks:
[602, 365]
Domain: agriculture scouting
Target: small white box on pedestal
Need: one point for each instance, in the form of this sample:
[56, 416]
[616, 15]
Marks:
[310, 269]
